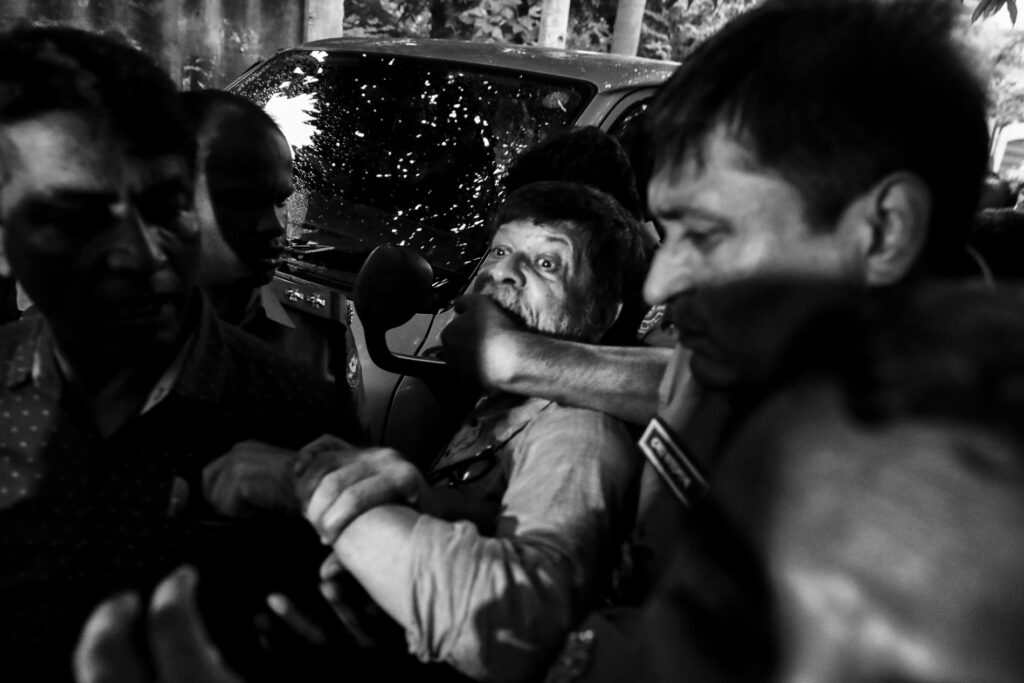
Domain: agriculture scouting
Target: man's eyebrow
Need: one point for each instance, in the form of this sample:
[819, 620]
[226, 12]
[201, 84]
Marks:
[559, 238]
[565, 241]
[680, 211]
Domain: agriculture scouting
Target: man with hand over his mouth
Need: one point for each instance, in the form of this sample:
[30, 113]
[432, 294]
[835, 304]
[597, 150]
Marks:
[508, 540]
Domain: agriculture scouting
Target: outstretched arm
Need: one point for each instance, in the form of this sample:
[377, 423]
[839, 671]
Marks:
[485, 344]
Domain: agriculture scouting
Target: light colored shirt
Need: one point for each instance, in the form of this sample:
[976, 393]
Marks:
[498, 605]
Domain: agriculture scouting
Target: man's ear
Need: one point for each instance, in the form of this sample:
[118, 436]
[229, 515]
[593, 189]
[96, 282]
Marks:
[897, 211]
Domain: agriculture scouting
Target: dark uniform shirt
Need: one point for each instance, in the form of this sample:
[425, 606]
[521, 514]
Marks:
[83, 516]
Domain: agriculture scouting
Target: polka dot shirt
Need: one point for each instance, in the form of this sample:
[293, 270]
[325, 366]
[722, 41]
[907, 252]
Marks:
[82, 516]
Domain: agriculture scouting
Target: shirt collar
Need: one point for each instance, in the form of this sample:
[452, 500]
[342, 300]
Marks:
[205, 364]
[503, 414]
[26, 364]
[273, 309]
[494, 421]
[198, 371]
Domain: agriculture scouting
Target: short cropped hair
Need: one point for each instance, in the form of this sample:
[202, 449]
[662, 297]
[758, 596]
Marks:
[51, 69]
[613, 243]
[586, 155]
[834, 95]
[208, 111]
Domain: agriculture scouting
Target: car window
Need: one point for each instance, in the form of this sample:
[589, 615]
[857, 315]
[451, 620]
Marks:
[629, 125]
[398, 150]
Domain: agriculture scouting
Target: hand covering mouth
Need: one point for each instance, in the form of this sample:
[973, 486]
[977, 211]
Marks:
[508, 301]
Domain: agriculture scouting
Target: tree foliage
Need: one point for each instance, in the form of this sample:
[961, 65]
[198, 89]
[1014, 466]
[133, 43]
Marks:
[672, 28]
[502, 21]
[986, 8]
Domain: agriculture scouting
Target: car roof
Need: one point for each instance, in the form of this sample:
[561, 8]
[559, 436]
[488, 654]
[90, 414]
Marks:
[605, 71]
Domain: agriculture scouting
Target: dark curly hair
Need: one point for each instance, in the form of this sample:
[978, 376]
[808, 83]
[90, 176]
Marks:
[834, 95]
[614, 245]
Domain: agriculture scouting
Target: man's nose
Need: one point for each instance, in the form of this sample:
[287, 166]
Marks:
[508, 270]
[137, 244]
[672, 272]
[273, 223]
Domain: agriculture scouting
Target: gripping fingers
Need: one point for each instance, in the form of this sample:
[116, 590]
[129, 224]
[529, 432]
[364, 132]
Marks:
[352, 502]
[394, 486]
[332, 485]
[322, 444]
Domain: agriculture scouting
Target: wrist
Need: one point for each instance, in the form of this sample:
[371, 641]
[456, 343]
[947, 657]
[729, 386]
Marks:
[504, 366]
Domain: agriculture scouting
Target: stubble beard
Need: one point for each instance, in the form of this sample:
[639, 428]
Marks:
[510, 301]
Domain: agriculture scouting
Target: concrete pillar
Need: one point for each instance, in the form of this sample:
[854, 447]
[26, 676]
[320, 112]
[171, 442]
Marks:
[324, 19]
[629, 18]
[554, 23]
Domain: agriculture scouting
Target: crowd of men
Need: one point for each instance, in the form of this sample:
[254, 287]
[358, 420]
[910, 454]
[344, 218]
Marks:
[827, 481]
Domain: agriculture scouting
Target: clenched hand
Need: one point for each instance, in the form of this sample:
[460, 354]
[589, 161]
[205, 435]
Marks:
[336, 482]
[252, 477]
[477, 342]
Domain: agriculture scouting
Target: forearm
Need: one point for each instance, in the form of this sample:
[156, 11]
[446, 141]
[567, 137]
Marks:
[376, 549]
[495, 608]
[618, 380]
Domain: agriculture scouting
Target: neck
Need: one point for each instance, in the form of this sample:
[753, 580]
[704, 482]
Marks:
[231, 301]
[112, 386]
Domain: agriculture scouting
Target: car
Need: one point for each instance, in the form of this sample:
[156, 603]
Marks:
[405, 142]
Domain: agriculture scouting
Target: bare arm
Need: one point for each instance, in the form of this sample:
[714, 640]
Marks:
[497, 606]
[376, 548]
[485, 344]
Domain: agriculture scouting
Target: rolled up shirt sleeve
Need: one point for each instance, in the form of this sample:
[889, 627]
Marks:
[497, 607]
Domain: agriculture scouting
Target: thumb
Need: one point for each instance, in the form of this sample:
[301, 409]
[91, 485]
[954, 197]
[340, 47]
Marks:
[105, 653]
[181, 648]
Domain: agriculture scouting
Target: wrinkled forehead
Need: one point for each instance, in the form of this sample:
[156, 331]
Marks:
[562, 236]
[713, 177]
[68, 150]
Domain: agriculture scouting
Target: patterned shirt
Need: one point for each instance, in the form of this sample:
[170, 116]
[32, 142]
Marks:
[82, 515]
[496, 603]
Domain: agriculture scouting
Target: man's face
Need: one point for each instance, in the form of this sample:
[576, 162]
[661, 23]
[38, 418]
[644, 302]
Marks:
[728, 220]
[887, 553]
[103, 242]
[540, 275]
[243, 182]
